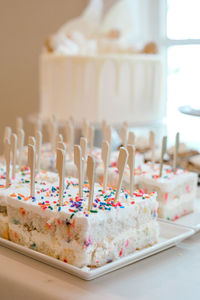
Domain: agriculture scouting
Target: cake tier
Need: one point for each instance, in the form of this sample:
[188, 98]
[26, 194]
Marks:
[111, 87]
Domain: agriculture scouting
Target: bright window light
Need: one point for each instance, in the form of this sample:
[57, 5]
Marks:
[183, 77]
[183, 21]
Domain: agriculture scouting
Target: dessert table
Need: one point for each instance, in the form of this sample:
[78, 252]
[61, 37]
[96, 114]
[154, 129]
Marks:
[171, 274]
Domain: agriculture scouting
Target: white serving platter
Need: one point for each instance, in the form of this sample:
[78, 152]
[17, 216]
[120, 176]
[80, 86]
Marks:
[191, 220]
[170, 235]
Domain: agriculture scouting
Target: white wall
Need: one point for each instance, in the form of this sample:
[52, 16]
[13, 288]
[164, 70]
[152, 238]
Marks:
[24, 26]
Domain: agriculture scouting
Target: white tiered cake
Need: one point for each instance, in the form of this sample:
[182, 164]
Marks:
[100, 75]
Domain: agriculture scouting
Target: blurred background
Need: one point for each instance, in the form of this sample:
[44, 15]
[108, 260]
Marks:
[173, 24]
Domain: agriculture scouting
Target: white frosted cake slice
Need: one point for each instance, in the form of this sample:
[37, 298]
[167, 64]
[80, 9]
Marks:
[21, 185]
[113, 171]
[176, 191]
[48, 160]
[80, 237]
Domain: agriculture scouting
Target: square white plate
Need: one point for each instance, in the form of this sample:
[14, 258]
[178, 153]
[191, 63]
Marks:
[170, 235]
[191, 220]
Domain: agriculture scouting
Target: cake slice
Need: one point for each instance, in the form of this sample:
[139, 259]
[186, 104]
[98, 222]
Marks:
[113, 171]
[80, 237]
[48, 160]
[176, 190]
[20, 185]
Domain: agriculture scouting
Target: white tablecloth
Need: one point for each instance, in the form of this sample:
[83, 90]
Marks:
[171, 274]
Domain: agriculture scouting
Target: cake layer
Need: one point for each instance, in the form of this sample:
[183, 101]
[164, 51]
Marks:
[92, 86]
[87, 254]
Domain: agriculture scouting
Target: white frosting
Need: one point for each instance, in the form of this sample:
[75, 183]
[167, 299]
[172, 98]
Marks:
[113, 171]
[21, 183]
[71, 192]
[48, 162]
[139, 158]
[47, 176]
[84, 85]
[169, 179]
[18, 183]
[89, 67]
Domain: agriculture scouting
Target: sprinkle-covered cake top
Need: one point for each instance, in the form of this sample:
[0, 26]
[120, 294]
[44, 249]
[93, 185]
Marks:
[167, 174]
[169, 180]
[47, 199]
[153, 173]
[22, 179]
[22, 176]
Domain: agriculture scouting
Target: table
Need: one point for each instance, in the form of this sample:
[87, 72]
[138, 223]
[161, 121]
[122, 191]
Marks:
[171, 274]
